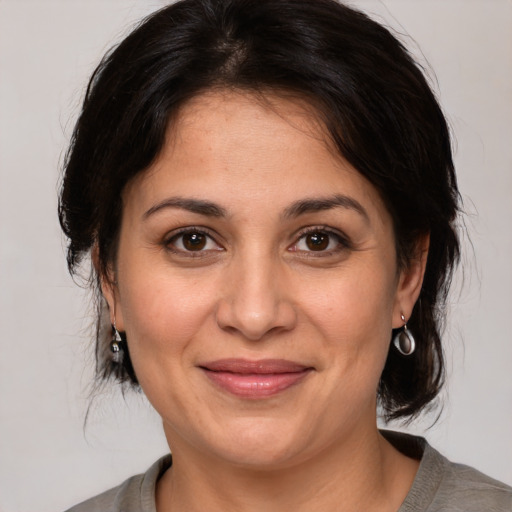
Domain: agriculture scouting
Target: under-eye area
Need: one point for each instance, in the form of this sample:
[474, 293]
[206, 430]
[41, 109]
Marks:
[192, 242]
[320, 241]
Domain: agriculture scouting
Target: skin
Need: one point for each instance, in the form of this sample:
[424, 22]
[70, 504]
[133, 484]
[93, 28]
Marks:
[258, 288]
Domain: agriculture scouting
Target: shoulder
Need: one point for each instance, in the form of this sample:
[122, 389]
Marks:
[441, 485]
[137, 494]
[467, 490]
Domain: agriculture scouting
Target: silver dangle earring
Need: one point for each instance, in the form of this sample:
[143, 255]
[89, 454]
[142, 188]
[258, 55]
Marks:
[404, 340]
[115, 345]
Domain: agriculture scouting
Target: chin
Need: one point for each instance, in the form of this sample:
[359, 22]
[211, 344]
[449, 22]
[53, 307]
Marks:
[258, 443]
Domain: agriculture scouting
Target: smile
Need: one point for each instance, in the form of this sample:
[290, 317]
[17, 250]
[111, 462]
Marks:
[255, 379]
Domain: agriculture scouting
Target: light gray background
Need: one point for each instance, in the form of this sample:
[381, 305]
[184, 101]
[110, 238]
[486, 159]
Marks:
[47, 51]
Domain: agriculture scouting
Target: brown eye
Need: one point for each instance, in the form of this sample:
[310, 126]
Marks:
[317, 241]
[320, 242]
[194, 241]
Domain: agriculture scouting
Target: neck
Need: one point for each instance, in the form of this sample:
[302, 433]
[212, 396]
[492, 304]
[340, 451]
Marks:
[364, 473]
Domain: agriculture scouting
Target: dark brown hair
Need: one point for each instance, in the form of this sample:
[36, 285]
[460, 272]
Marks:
[372, 97]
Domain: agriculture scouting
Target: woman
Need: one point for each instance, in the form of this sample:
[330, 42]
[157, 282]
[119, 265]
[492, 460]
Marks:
[268, 195]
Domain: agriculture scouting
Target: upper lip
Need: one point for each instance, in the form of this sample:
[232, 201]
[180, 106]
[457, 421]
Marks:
[261, 366]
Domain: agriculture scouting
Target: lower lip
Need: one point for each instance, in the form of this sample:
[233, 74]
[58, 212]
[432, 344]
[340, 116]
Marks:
[255, 385]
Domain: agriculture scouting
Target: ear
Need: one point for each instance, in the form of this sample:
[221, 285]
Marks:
[410, 281]
[109, 288]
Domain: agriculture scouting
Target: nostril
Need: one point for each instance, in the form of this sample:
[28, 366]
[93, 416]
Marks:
[256, 323]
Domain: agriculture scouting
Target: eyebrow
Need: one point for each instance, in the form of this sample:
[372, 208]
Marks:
[301, 207]
[199, 206]
[325, 203]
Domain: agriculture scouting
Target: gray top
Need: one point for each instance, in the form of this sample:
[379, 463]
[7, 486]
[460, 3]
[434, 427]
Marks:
[439, 486]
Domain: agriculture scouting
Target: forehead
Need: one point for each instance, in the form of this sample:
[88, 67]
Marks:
[222, 122]
[274, 107]
[229, 146]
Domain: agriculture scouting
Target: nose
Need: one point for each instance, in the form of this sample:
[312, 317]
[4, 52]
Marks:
[256, 301]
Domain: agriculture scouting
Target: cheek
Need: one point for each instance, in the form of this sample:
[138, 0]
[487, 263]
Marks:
[162, 312]
[353, 313]
[352, 299]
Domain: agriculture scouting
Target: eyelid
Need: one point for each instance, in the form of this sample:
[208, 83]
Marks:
[342, 239]
[176, 233]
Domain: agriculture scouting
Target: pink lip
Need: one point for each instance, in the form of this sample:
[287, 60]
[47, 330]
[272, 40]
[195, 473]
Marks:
[255, 379]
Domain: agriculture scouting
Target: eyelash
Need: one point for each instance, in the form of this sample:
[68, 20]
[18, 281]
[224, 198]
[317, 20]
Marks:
[342, 242]
[192, 230]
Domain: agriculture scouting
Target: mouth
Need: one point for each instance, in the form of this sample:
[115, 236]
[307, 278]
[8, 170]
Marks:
[255, 379]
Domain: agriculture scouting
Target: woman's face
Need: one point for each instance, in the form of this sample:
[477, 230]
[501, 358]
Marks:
[257, 283]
